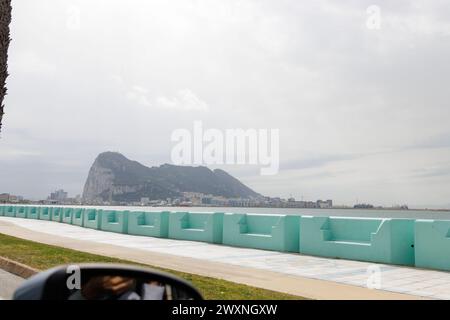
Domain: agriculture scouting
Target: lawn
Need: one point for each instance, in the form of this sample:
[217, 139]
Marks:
[42, 256]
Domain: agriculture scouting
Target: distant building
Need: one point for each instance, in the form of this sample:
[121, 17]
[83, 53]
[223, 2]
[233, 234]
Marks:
[58, 195]
[51, 201]
[300, 204]
[206, 200]
[363, 206]
[13, 199]
[4, 197]
[324, 204]
[9, 198]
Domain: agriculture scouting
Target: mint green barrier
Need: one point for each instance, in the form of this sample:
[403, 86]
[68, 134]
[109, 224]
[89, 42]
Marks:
[20, 212]
[206, 227]
[375, 240]
[33, 213]
[433, 244]
[2, 210]
[92, 218]
[152, 224]
[269, 232]
[45, 213]
[9, 211]
[67, 215]
[78, 217]
[56, 214]
[114, 221]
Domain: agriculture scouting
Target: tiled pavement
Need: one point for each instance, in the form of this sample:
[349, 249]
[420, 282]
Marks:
[8, 283]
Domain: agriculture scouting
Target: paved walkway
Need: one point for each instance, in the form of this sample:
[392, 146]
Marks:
[313, 277]
[8, 284]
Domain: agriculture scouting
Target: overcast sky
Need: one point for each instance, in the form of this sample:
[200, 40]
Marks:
[364, 114]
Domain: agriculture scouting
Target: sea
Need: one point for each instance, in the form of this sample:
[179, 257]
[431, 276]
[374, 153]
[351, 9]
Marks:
[364, 213]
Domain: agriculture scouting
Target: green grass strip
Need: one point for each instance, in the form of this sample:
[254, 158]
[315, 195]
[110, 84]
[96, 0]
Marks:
[42, 256]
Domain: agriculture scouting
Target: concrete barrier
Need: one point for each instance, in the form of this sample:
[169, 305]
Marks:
[45, 213]
[9, 211]
[269, 232]
[423, 243]
[206, 227]
[432, 244]
[20, 212]
[33, 213]
[92, 218]
[375, 240]
[78, 217]
[114, 221]
[152, 224]
[56, 214]
[66, 215]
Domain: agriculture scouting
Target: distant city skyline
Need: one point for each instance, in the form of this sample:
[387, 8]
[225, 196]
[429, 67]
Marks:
[362, 112]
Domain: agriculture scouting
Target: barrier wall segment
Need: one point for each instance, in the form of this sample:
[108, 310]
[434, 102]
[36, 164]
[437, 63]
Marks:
[365, 239]
[269, 232]
[206, 227]
[152, 224]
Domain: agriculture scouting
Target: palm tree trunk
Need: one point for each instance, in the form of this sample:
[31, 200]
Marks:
[5, 20]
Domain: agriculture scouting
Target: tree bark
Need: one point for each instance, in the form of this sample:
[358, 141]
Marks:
[5, 20]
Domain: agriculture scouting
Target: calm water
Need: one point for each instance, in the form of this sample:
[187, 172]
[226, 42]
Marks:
[373, 213]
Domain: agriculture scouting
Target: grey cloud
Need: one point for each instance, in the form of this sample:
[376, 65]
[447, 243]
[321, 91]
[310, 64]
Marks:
[441, 171]
[316, 162]
[437, 141]
[337, 91]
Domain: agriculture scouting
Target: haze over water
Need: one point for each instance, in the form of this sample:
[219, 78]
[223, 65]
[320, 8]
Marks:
[363, 213]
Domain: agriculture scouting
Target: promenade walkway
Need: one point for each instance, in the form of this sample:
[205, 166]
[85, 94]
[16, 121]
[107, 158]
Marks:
[312, 277]
[8, 284]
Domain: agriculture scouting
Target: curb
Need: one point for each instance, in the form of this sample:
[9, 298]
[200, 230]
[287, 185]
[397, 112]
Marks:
[17, 268]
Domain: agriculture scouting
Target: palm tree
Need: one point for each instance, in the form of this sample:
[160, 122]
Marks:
[5, 20]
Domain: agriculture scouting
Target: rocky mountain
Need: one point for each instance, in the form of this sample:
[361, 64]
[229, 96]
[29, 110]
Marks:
[113, 177]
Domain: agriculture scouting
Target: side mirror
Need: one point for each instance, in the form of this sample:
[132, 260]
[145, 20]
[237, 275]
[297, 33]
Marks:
[105, 282]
